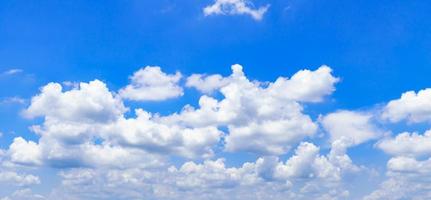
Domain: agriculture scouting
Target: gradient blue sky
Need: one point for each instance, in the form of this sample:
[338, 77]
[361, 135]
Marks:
[378, 49]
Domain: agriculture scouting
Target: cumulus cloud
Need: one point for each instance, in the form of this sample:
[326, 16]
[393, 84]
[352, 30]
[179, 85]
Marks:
[145, 132]
[91, 102]
[206, 84]
[351, 127]
[152, 84]
[23, 152]
[235, 7]
[306, 163]
[104, 151]
[409, 171]
[86, 126]
[305, 85]
[407, 144]
[413, 107]
[12, 177]
[398, 188]
[305, 175]
[261, 119]
[408, 178]
[24, 194]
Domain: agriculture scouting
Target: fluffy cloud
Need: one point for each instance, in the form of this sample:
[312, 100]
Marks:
[265, 119]
[408, 178]
[408, 164]
[235, 7]
[206, 84]
[306, 163]
[86, 126]
[305, 85]
[350, 126]
[407, 144]
[105, 152]
[91, 102]
[14, 178]
[145, 132]
[399, 188]
[151, 84]
[23, 152]
[305, 175]
[409, 171]
[413, 107]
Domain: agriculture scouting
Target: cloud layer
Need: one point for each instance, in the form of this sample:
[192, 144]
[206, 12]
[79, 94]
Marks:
[102, 146]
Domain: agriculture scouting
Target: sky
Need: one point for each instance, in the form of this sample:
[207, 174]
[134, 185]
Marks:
[215, 99]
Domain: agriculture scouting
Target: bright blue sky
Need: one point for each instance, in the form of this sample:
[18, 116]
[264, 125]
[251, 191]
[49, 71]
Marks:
[378, 49]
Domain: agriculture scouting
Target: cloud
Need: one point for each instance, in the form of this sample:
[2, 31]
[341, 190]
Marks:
[407, 144]
[12, 100]
[151, 84]
[352, 127]
[85, 124]
[210, 179]
[409, 171]
[206, 84]
[23, 152]
[24, 194]
[235, 7]
[413, 107]
[91, 102]
[305, 85]
[408, 178]
[147, 133]
[12, 71]
[11, 177]
[264, 119]
[104, 151]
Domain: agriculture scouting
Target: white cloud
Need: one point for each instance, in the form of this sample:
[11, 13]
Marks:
[13, 71]
[206, 84]
[23, 152]
[14, 178]
[151, 84]
[212, 174]
[85, 126]
[145, 132]
[407, 144]
[352, 127]
[408, 178]
[269, 137]
[259, 118]
[409, 171]
[413, 107]
[12, 100]
[107, 153]
[235, 7]
[399, 188]
[212, 178]
[409, 165]
[305, 85]
[24, 194]
[91, 102]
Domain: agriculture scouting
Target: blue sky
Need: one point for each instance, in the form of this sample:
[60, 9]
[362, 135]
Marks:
[375, 52]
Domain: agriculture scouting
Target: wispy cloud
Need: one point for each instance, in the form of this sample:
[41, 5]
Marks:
[13, 71]
[12, 100]
[236, 7]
